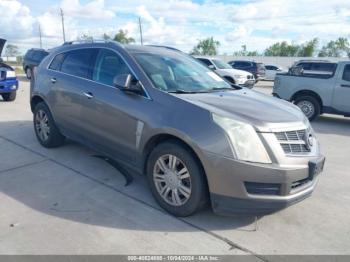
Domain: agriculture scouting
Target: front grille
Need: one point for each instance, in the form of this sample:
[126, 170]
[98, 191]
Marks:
[299, 183]
[262, 188]
[293, 142]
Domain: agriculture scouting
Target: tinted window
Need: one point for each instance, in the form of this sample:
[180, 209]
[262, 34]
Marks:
[221, 64]
[346, 73]
[78, 62]
[305, 66]
[329, 67]
[56, 62]
[269, 67]
[205, 61]
[108, 65]
[242, 64]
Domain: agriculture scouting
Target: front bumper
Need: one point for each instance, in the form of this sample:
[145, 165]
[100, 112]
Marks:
[228, 179]
[249, 83]
[8, 85]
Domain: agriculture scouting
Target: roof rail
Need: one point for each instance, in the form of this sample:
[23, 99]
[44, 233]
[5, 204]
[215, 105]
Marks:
[89, 41]
[167, 47]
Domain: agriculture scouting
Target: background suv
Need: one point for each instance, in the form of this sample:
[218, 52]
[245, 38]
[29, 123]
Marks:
[31, 59]
[162, 113]
[234, 76]
[257, 69]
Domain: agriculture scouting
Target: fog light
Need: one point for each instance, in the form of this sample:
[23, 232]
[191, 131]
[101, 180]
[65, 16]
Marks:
[13, 87]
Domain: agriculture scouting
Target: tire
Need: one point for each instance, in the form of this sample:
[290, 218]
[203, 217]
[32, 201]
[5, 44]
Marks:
[28, 73]
[190, 200]
[309, 105]
[50, 136]
[9, 96]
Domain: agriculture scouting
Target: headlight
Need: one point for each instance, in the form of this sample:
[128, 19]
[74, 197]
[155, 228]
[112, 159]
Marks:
[10, 74]
[245, 142]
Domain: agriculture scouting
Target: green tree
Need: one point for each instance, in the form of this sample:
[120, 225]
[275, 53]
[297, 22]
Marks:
[207, 46]
[245, 52]
[85, 37]
[282, 49]
[122, 37]
[11, 50]
[336, 48]
[309, 48]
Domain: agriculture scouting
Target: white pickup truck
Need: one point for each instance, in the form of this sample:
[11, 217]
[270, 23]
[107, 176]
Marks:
[316, 93]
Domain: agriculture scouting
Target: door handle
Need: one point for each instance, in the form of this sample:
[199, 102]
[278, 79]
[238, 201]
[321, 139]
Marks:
[53, 80]
[88, 95]
[345, 85]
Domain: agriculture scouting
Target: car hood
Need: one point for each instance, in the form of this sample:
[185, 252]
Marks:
[265, 113]
[233, 72]
[2, 44]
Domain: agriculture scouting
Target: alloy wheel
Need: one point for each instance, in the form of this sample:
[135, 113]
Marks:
[42, 125]
[172, 180]
[307, 107]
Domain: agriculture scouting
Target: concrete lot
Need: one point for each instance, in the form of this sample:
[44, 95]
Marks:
[65, 201]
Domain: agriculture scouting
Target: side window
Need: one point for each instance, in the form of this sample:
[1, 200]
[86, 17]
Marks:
[78, 62]
[346, 73]
[56, 62]
[205, 61]
[108, 65]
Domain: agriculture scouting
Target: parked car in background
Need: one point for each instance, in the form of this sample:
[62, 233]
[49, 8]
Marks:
[317, 93]
[272, 70]
[321, 67]
[8, 79]
[32, 58]
[234, 76]
[162, 113]
[257, 69]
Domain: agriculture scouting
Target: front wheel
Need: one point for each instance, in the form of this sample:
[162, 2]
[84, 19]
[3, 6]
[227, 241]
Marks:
[309, 105]
[9, 96]
[176, 179]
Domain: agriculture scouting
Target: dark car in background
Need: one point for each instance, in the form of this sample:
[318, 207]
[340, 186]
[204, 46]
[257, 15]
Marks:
[32, 58]
[257, 69]
[8, 79]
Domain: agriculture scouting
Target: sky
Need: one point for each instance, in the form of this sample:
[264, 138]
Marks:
[178, 23]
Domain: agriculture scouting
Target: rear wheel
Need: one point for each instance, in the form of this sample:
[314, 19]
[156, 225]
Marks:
[176, 179]
[9, 96]
[45, 128]
[28, 73]
[309, 105]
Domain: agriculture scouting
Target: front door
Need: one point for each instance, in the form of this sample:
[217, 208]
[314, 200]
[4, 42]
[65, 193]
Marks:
[341, 97]
[113, 118]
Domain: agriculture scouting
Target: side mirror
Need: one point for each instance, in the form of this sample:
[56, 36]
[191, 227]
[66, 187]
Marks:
[212, 67]
[127, 83]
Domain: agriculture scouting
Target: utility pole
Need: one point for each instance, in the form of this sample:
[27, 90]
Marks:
[41, 43]
[64, 33]
[140, 26]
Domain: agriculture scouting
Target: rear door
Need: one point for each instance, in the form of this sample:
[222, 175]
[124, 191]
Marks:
[341, 95]
[68, 75]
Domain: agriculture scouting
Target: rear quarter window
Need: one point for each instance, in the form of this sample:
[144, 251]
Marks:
[56, 62]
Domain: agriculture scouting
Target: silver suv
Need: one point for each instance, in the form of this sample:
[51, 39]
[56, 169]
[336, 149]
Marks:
[162, 113]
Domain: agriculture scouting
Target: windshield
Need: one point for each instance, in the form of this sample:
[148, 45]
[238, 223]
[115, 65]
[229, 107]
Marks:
[175, 72]
[221, 64]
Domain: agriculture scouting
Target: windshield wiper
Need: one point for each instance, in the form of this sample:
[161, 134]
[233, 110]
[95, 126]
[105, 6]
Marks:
[222, 88]
[181, 91]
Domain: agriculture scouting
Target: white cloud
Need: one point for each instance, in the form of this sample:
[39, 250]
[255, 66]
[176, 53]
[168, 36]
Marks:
[92, 10]
[16, 20]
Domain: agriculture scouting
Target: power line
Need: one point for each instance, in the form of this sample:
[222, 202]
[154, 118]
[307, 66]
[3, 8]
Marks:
[64, 33]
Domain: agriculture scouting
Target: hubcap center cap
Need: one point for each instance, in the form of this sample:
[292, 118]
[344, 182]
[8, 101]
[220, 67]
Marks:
[171, 179]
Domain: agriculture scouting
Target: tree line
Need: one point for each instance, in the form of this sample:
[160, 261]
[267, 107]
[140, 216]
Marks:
[209, 46]
[334, 48]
